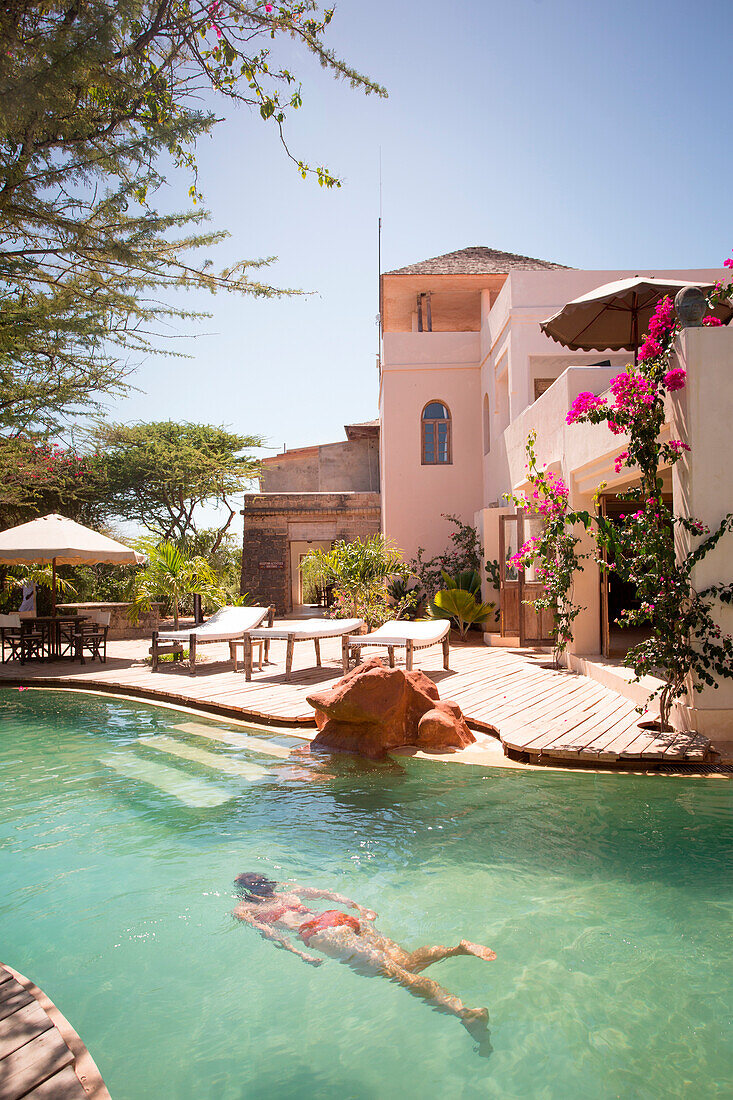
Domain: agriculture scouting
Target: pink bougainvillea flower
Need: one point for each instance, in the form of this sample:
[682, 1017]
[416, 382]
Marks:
[583, 404]
[713, 322]
[213, 10]
[728, 263]
[678, 446]
[650, 349]
[268, 8]
[620, 461]
[675, 379]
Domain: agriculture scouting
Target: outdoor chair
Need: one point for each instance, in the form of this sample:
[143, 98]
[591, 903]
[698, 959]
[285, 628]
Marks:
[401, 634]
[91, 636]
[24, 640]
[303, 630]
[228, 624]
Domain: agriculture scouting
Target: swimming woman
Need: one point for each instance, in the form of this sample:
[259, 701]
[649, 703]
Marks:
[278, 912]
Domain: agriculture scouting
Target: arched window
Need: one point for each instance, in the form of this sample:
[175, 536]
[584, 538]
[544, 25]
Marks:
[436, 434]
[487, 425]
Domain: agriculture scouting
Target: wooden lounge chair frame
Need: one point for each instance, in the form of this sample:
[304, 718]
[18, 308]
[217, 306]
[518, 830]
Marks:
[293, 636]
[175, 646]
[353, 647]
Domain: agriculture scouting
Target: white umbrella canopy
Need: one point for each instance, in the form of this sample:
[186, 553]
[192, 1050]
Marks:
[613, 316]
[55, 540]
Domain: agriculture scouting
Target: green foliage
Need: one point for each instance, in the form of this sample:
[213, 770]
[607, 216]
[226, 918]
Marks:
[404, 598]
[465, 553]
[168, 575]
[469, 580]
[552, 552]
[224, 555]
[358, 572]
[651, 548]
[460, 605]
[37, 478]
[158, 474]
[100, 103]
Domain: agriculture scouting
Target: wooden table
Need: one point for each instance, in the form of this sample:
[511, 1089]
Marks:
[237, 642]
[51, 625]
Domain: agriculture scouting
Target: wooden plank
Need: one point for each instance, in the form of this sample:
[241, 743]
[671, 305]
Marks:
[21, 1027]
[616, 741]
[62, 1086]
[12, 997]
[34, 1063]
[616, 719]
[5, 975]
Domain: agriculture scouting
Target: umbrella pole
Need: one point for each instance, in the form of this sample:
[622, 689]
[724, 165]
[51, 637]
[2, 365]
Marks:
[53, 587]
[635, 333]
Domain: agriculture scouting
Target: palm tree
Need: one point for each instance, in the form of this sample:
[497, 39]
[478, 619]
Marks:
[169, 574]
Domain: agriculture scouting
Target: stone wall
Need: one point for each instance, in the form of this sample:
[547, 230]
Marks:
[351, 466]
[119, 624]
[273, 520]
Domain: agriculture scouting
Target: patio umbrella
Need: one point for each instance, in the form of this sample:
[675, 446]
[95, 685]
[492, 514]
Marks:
[55, 540]
[613, 316]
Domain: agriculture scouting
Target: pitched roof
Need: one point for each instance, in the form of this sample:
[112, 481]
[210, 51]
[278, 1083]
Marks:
[476, 260]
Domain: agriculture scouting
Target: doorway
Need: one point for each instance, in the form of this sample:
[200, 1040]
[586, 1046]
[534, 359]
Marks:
[299, 550]
[618, 596]
[518, 587]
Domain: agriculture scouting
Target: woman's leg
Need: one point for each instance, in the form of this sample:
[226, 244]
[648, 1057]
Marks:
[433, 993]
[426, 956]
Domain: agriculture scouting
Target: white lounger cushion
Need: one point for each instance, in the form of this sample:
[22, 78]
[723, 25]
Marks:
[224, 624]
[308, 629]
[399, 632]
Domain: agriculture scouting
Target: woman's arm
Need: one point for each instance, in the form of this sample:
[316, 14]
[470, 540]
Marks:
[330, 895]
[277, 938]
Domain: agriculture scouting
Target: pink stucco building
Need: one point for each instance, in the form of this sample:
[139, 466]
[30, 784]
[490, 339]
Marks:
[466, 373]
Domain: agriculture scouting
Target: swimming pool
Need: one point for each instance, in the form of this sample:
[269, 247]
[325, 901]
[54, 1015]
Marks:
[606, 897]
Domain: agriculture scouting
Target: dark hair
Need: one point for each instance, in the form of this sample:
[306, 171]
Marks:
[254, 885]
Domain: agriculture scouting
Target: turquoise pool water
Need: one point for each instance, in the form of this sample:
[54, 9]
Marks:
[607, 899]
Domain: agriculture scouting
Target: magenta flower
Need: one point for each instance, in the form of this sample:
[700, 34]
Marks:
[620, 461]
[675, 379]
[583, 404]
[712, 322]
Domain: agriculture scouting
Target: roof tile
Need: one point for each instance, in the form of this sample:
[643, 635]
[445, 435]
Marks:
[476, 260]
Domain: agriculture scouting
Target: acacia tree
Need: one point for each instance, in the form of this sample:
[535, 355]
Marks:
[37, 478]
[158, 474]
[98, 100]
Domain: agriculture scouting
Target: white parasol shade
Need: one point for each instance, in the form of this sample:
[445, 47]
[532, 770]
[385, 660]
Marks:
[614, 316]
[59, 541]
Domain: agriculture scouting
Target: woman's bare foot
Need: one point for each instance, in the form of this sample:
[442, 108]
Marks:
[478, 950]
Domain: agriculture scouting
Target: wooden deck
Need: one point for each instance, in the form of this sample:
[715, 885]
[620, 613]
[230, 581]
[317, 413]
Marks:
[41, 1056]
[547, 715]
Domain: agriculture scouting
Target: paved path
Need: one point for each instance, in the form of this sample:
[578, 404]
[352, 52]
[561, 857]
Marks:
[41, 1056]
[547, 715]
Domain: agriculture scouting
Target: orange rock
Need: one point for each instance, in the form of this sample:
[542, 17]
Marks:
[374, 709]
[443, 729]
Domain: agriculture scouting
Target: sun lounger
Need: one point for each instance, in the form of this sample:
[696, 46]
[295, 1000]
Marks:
[225, 625]
[303, 630]
[401, 634]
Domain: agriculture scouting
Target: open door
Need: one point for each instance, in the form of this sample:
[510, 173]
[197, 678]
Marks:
[509, 579]
[535, 627]
[519, 619]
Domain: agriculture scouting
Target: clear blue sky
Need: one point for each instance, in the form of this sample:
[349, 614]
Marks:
[592, 134]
